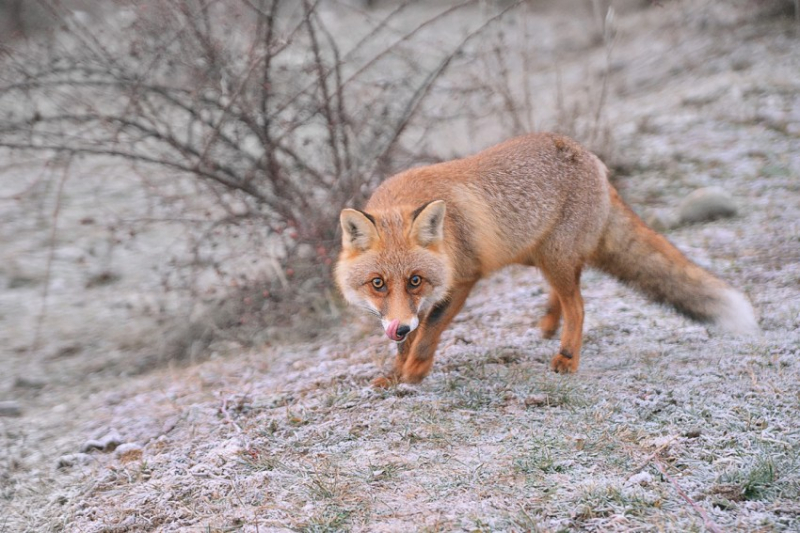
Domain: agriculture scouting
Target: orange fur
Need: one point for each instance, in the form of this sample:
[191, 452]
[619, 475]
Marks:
[539, 200]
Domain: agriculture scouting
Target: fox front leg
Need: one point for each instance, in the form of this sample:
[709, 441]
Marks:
[403, 349]
[415, 355]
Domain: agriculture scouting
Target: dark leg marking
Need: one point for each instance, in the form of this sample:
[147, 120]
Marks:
[437, 312]
[566, 353]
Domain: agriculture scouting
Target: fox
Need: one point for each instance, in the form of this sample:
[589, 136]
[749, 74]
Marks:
[412, 255]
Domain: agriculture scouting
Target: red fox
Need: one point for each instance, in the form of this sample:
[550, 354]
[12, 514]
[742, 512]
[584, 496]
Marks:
[428, 234]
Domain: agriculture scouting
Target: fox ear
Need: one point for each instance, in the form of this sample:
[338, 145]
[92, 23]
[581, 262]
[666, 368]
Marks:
[358, 230]
[427, 227]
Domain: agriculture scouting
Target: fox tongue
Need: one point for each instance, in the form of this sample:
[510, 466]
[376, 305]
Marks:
[391, 329]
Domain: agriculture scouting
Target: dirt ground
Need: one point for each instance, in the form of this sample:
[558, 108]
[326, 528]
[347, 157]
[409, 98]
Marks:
[667, 427]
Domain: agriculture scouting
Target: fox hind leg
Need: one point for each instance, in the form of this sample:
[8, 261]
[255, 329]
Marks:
[565, 283]
[550, 321]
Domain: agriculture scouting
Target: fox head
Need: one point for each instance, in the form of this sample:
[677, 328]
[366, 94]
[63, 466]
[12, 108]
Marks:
[394, 264]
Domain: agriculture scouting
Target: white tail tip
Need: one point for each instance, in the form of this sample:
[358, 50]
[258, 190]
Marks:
[736, 315]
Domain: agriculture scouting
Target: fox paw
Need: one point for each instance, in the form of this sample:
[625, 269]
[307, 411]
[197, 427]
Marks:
[384, 382]
[564, 363]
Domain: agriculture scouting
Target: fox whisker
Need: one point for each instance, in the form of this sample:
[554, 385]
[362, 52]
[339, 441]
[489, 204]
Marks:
[370, 310]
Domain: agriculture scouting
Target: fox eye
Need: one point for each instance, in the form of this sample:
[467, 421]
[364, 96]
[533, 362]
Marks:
[378, 283]
[414, 281]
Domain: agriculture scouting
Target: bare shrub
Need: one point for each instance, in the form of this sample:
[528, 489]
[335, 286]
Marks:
[261, 125]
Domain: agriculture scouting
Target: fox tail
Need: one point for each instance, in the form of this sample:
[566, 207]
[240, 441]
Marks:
[645, 260]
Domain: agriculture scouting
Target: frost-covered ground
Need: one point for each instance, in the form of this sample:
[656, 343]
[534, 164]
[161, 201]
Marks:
[666, 427]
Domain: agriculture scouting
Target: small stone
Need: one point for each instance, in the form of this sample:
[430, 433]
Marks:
[693, 433]
[107, 443]
[59, 499]
[66, 350]
[642, 478]
[17, 282]
[536, 400]
[130, 451]
[663, 442]
[708, 203]
[28, 382]
[10, 408]
[73, 459]
[102, 278]
[662, 220]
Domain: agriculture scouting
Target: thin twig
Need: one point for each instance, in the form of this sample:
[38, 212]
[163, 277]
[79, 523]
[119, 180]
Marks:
[50, 255]
[322, 85]
[650, 458]
[608, 42]
[341, 118]
[223, 408]
[710, 524]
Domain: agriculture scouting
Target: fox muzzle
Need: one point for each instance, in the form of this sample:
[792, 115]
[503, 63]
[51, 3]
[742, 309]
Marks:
[397, 332]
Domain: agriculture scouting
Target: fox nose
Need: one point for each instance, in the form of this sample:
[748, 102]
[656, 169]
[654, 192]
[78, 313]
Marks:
[403, 330]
